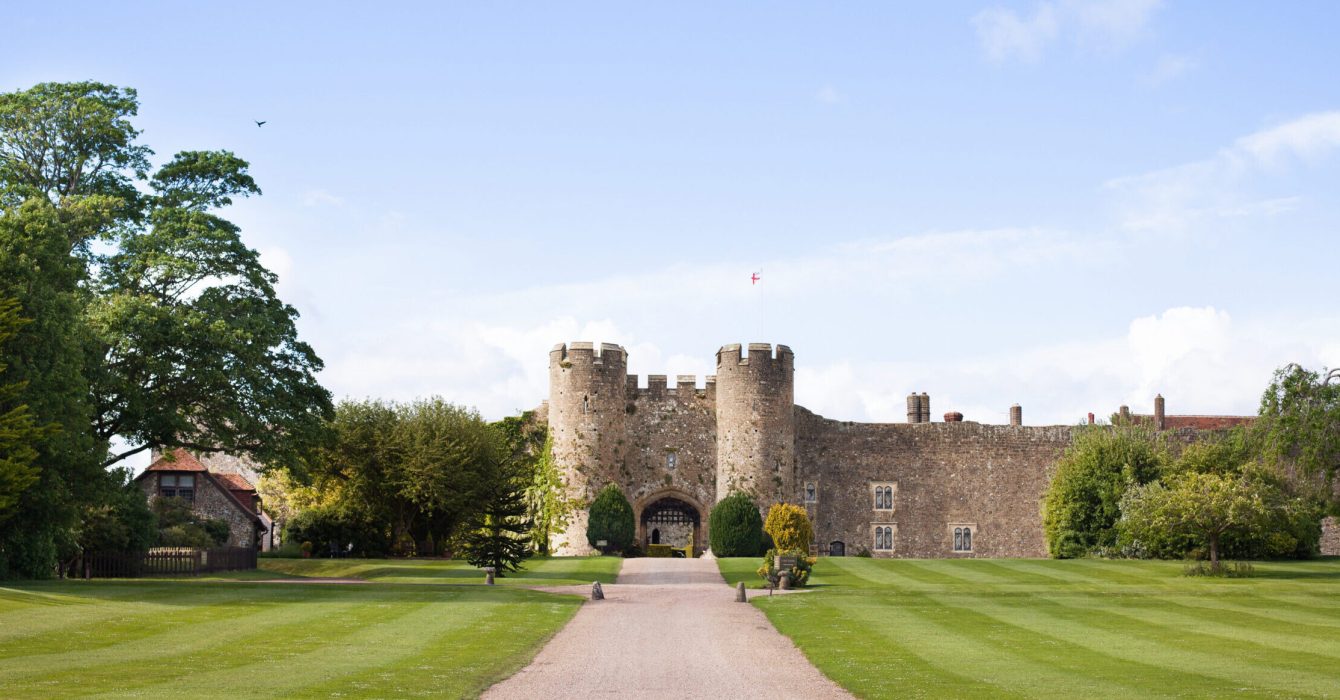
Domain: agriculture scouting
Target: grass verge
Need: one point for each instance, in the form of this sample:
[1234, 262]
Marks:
[1080, 628]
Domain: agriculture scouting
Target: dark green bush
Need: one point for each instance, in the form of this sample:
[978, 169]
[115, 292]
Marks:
[735, 527]
[611, 519]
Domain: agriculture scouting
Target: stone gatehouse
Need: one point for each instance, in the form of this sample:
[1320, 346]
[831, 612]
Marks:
[917, 489]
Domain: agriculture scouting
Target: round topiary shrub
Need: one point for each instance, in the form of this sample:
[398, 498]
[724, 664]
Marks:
[789, 527]
[610, 520]
[736, 530]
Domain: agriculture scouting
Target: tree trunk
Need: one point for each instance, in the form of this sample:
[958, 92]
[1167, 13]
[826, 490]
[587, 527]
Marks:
[1214, 553]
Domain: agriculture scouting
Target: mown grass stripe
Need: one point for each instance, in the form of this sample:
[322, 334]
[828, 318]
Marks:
[511, 648]
[1086, 646]
[857, 650]
[376, 636]
[1244, 664]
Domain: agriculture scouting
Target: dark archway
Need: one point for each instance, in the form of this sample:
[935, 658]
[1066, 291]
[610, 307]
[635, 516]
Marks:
[837, 548]
[672, 521]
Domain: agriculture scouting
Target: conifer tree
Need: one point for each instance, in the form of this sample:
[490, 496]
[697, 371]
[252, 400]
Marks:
[500, 536]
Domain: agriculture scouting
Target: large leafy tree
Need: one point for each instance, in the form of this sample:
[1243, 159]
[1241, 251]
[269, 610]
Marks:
[19, 433]
[1299, 420]
[188, 344]
[47, 359]
[1083, 502]
[1203, 505]
[152, 321]
[397, 477]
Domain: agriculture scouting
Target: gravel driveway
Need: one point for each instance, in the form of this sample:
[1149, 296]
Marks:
[668, 628]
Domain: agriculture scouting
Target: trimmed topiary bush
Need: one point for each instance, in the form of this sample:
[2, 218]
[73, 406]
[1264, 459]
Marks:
[610, 519]
[735, 527]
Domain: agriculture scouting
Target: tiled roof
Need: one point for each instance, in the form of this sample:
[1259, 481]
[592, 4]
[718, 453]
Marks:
[1206, 422]
[179, 461]
[233, 481]
[1194, 422]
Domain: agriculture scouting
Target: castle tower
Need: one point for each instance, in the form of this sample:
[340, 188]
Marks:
[586, 422]
[756, 429]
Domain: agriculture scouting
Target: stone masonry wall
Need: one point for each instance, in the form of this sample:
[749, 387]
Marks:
[586, 420]
[661, 421]
[991, 477]
[1330, 537]
[756, 423]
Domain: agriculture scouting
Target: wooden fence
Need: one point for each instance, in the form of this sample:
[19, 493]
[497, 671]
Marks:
[164, 561]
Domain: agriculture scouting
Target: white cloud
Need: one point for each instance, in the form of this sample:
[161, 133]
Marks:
[1200, 359]
[1170, 67]
[1105, 24]
[1004, 34]
[829, 95]
[1307, 137]
[1220, 187]
[320, 198]
[1113, 22]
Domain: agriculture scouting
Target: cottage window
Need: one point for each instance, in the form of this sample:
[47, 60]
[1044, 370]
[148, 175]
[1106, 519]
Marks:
[177, 486]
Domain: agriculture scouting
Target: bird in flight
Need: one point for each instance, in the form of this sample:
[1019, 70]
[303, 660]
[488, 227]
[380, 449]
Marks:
[259, 123]
[754, 278]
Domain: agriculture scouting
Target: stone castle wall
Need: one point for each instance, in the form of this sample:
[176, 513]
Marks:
[988, 477]
[671, 443]
[756, 432]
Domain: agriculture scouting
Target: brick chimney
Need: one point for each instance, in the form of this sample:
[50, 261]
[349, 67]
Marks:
[1016, 415]
[953, 417]
[913, 408]
[1158, 411]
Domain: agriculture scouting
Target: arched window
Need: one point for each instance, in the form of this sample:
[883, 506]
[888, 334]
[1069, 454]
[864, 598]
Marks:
[967, 539]
[671, 460]
[809, 492]
[879, 499]
[586, 404]
[888, 497]
[958, 539]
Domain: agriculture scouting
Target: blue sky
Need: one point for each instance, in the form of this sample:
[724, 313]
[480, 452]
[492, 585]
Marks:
[1069, 205]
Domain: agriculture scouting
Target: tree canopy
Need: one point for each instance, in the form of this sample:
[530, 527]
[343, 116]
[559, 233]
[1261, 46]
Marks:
[151, 320]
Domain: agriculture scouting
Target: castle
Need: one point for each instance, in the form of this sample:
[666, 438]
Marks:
[919, 489]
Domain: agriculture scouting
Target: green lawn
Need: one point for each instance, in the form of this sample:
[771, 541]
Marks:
[405, 635]
[549, 571]
[1076, 629]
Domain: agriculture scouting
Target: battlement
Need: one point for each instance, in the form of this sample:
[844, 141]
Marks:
[760, 354]
[658, 385]
[584, 353]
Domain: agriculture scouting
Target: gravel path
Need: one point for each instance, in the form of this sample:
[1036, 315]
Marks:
[668, 628]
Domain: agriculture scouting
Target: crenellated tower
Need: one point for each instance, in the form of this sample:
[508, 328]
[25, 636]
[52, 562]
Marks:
[756, 431]
[586, 422]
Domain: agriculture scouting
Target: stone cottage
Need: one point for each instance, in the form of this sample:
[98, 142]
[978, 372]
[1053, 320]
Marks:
[223, 496]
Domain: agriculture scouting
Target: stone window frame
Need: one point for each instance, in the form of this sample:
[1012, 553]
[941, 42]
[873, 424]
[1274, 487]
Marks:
[961, 536]
[810, 492]
[176, 489]
[671, 459]
[885, 534]
[882, 495]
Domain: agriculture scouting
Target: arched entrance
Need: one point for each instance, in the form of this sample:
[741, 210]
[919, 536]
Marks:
[670, 518]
